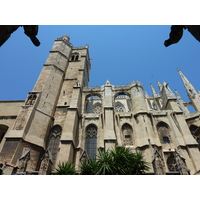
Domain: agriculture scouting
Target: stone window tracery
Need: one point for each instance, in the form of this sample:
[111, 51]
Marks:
[91, 141]
[119, 107]
[172, 164]
[97, 108]
[75, 56]
[31, 99]
[122, 102]
[54, 141]
[127, 133]
[93, 104]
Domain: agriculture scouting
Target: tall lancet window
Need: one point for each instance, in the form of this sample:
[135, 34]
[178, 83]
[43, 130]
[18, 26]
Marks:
[91, 141]
[164, 133]
[54, 141]
[127, 134]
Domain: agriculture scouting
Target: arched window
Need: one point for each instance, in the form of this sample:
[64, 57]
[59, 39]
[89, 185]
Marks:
[122, 102]
[3, 130]
[164, 132]
[172, 164]
[127, 134]
[91, 141]
[119, 107]
[54, 140]
[75, 56]
[93, 104]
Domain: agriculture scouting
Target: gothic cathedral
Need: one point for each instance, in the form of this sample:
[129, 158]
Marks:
[62, 119]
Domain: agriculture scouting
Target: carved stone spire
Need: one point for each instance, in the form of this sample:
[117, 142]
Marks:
[159, 85]
[158, 162]
[107, 82]
[156, 97]
[23, 161]
[155, 94]
[168, 90]
[46, 163]
[191, 92]
[166, 94]
[181, 103]
[180, 160]
[146, 94]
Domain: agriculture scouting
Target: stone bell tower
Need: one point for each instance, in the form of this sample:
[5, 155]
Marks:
[47, 122]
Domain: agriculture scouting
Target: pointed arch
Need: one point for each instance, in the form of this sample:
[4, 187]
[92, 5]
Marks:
[91, 140]
[119, 107]
[93, 103]
[75, 56]
[127, 134]
[120, 93]
[54, 141]
[122, 102]
[164, 132]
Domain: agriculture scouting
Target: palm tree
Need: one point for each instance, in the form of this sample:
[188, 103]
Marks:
[126, 162]
[88, 167]
[65, 168]
[118, 161]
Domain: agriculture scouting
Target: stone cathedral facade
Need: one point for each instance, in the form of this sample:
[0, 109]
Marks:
[62, 119]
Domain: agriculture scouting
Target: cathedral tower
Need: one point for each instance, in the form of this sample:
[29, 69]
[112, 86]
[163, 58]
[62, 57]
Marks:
[48, 119]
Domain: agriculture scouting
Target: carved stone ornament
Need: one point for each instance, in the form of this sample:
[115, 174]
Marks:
[158, 162]
[31, 99]
[77, 84]
[84, 156]
[23, 161]
[181, 163]
[97, 108]
[46, 163]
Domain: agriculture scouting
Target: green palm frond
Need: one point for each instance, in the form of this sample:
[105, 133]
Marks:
[118, 161]
[88, 167]
[65, 168]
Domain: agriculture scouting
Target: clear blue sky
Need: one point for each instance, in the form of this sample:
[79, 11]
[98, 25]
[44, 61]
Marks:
[119, 53]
